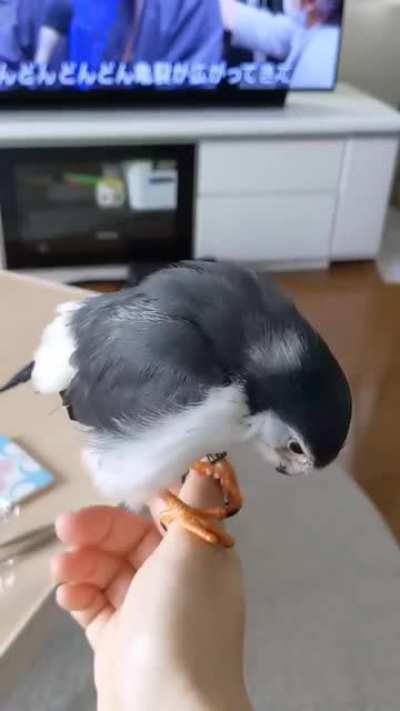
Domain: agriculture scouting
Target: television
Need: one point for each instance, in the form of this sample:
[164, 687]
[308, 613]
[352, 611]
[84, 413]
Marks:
[166, 52]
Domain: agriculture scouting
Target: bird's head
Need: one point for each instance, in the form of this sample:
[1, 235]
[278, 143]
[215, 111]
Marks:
[299, 400]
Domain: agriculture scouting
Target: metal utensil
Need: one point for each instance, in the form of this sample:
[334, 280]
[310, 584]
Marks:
[27, 542]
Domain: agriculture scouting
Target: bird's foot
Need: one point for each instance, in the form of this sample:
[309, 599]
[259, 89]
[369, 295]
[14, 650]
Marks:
[220, 469]
[193, 520]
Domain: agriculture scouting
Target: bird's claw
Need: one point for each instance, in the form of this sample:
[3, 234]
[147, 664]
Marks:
[219, 468]
[197, 522]
[200, 522]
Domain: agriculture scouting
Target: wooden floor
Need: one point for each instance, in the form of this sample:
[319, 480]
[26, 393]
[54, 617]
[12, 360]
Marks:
[359, 317]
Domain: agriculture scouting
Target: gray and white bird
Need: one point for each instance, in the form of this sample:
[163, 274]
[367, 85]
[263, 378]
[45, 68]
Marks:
[198, 357]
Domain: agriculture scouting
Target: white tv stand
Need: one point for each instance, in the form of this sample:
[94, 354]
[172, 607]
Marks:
[303, 185]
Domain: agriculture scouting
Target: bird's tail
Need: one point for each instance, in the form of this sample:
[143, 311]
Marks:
[21, 377]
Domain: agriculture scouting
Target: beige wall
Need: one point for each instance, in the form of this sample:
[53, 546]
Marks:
[371, 47]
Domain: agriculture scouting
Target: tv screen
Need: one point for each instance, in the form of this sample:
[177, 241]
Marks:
[145, 50]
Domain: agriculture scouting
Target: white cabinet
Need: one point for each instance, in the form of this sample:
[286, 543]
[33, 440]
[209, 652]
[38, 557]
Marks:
[308, 183]
[363, 196]
[266, 227]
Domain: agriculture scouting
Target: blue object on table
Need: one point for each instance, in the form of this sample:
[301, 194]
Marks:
[21, 476]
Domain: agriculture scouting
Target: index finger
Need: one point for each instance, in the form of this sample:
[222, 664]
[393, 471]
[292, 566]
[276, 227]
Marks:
[199, 492]
[107, 527]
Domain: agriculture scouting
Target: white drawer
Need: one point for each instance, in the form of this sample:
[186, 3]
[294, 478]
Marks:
[251, 167]
[268, 227]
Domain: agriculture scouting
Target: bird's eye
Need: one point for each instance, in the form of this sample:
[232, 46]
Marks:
[295, 447]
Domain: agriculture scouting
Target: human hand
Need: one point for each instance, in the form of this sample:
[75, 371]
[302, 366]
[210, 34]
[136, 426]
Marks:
[164, 616]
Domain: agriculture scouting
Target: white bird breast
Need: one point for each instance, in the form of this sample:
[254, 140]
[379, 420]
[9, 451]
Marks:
[137, 464]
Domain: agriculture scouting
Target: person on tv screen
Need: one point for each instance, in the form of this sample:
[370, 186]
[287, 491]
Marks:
[304, 37]
[54, 27]
[33, 30]
[169, 31]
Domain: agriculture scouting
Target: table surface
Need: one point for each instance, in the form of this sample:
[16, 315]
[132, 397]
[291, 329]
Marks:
[342, 112]
[41, 426]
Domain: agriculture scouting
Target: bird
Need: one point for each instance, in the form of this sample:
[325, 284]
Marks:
[167, 376]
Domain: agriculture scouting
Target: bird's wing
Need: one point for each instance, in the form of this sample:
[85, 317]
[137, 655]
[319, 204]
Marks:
[161, 346]
[225, 301]
[128, 357]
[133, 361]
